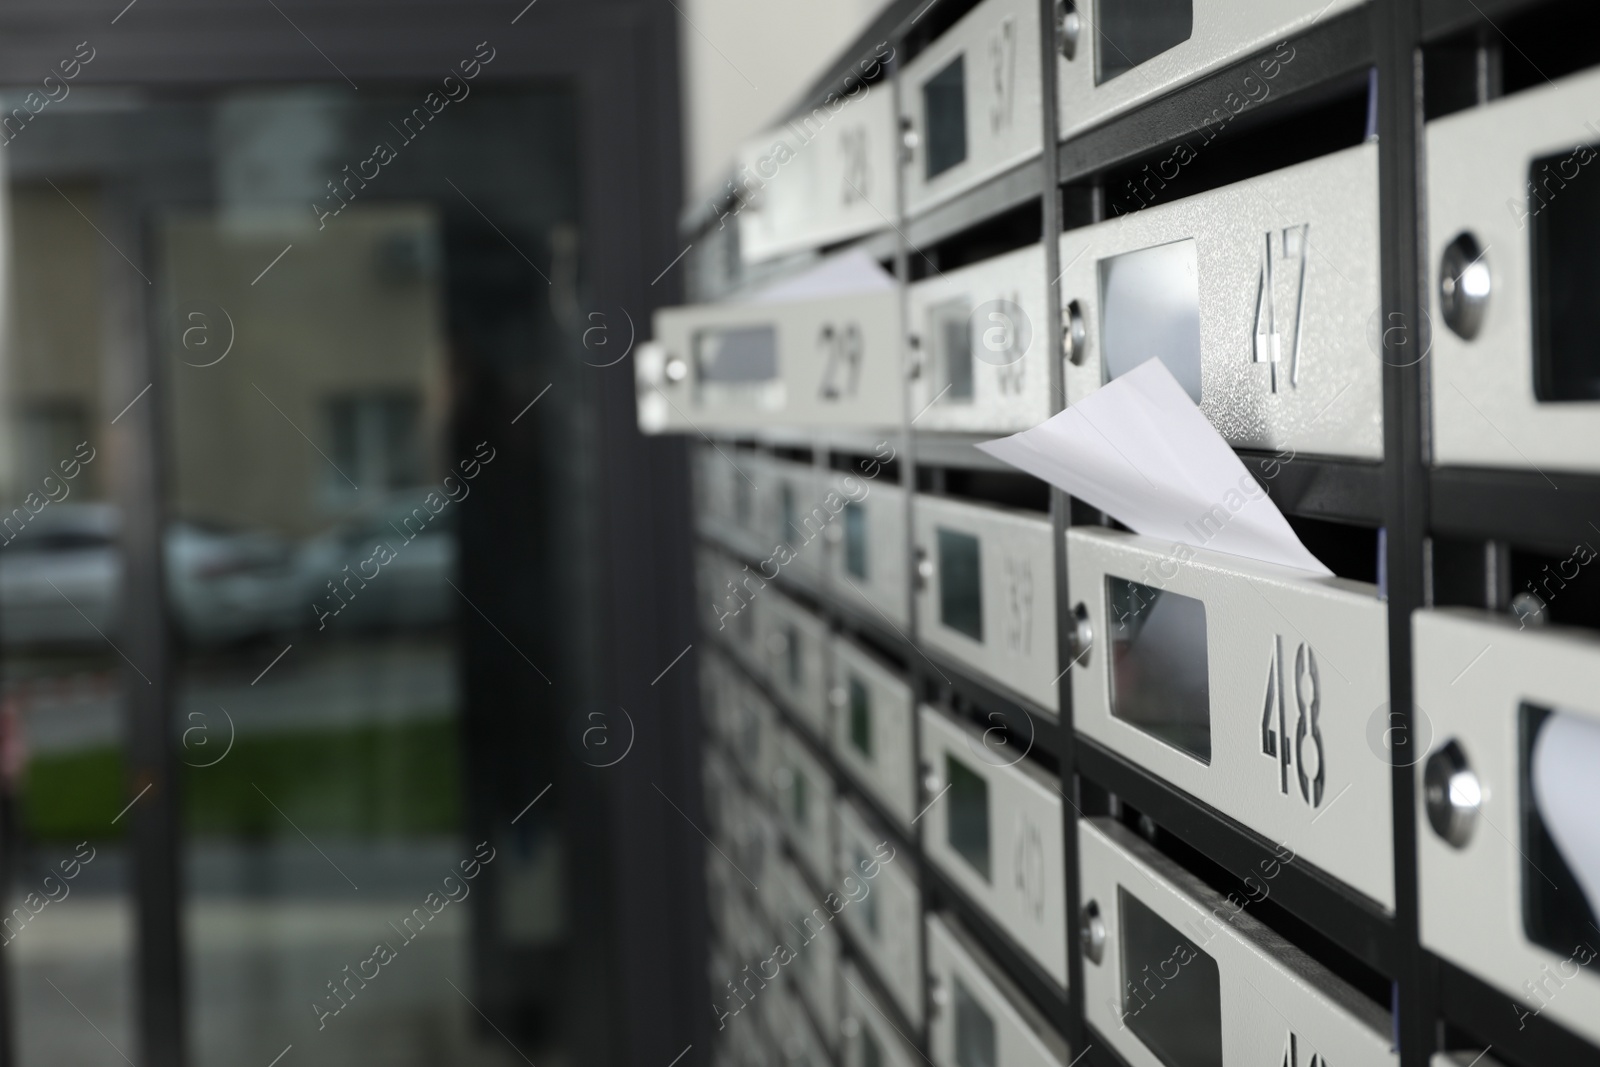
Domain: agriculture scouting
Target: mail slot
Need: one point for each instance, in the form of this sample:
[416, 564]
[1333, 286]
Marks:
[1506, 854]
[1511, 243]
[970, 103]
[979, 1016]
[986, 592]
[1177, 975]
[822, 178]
[980, 345]
[885, 922]
[796, 646]
[1114, 54]
[803, 793]
[797, 512]
[867, 546]
[804, 924]
[867, 1037]
[873, 728]
[826, 362]
[1245, 684]
[1257, 296]
[994, 828]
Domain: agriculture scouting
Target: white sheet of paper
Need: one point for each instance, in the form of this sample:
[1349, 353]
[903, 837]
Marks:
[1140, 450]
[1567, 791]
[842, 275]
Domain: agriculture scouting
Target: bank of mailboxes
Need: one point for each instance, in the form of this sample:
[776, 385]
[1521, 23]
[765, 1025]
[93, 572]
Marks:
[796, 642]
[884, 924]
[867, 547]
[867, 1037]
[979, 1016]
[825, 177]
[1511, 250]
[981, 346]
[1248, 685]
[986, 592]
[831, 361]
[1176, 973]
[1118, 53]
[995, 831]
[1506, 846]
[873, 711]
[803, 793]
[970, 102]
[803, 922]
[1256, 296]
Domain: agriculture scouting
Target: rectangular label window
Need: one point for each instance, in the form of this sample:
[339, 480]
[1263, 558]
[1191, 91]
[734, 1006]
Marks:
[855, 540]
[1132, 32]
[861, 718]
[968, 827]
[1172, 993]
[960, 583]
[733, 355]
[950, 330]
[1160, 680]
[1150, 306]
[1563, 232]
[944, 106]
[1556, 914]
[975, 1044]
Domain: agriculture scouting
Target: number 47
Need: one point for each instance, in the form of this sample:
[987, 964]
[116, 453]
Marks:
[1309, 763]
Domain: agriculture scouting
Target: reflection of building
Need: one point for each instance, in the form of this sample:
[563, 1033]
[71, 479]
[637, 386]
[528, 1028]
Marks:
[52, 366]
[347, 345]
[344, 347]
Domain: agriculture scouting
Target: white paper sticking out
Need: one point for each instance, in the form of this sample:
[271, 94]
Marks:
[1566, 789]
[844, 275]
[1140, 450]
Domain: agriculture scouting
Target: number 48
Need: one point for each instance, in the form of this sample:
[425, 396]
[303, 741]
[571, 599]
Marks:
[1305, 751]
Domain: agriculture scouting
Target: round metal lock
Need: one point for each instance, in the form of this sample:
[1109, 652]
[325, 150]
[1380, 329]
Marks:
[1080, 638]
[1452, 794]
[1529, 609]
[676, 369]
[1464, 285]
[1147, 828]
[1074, 346]
[931, 782]
[1068, 26]
[937, 992]
[1092, 933]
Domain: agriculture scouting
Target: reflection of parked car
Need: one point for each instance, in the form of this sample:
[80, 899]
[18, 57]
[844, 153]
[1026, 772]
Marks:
[224, 585]
[411, 589]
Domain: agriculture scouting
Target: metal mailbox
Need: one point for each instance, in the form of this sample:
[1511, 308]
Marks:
[867, 548]
[886, 921]
[867, 1038]
[873, 728]
[803, 791]
[804, 924]
[796, 644]
[978, 1014]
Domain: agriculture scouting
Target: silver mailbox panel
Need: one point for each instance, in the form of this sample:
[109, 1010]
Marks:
[797, 515]
[1258, 295]
[995, 831]
[886, 921]
[970, 103]
[1236, 992]
[873, 709]
[1247, 685]
[867, 547]
[981, 346]
[805, 363]
[987, 595]
[804, 924]
[1487, 407]
[1219, 32]
[803, 792]
[978, 1015]
[729, 605]
[796, 646]
[1479, 680]
[867, 1037]
[823, 178]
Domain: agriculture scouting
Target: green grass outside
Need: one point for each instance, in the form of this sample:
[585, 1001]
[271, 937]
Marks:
[368, 781]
